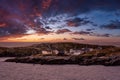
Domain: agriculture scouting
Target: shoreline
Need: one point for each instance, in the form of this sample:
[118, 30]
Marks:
[63, 60]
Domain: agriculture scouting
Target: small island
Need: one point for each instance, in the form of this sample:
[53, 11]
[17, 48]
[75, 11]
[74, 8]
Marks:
[64, 53]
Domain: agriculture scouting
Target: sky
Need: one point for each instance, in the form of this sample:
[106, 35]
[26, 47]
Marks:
[82, 21]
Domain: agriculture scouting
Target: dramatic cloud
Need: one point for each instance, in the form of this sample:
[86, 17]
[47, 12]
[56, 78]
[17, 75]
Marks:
[92, 34]
[47, 27]
[82, 33]
[101, 35]
[112, 25]
[61, 31]
[3, 24]
[46, 4]
[77, 22]
[78, 38]
[90, 29]
[12, 28]
[98, 18]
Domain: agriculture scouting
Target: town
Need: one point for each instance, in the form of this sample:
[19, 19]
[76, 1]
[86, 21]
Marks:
[70, 51]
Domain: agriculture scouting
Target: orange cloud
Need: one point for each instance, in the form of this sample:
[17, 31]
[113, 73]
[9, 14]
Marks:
[61, 31]
[46, 4]
[3, 24]
[71, 24]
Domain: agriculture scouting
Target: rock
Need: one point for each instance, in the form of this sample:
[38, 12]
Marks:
[114, 61]
[107, 61]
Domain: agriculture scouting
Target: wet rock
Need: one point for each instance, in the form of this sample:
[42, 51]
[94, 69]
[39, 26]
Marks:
[107, 61]
[114, 61]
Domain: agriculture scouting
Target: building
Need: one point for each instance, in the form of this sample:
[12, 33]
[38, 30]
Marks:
[87, 49]
[55, 51]
[80, 51]
[46, 52]
[76, 52]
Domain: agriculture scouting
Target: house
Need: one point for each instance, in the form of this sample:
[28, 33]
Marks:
[87, 49]
[80, 51]
[58, 52]
[76, 52]
[46, 52]
[99, 48]
[91, 49]
[55, 51]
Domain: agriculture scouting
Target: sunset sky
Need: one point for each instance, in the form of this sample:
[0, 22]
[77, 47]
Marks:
[83, 21]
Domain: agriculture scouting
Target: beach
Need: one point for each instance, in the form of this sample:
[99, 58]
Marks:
[20, 71]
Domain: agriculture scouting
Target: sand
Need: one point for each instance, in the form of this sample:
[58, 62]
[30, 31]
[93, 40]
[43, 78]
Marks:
[19, 71]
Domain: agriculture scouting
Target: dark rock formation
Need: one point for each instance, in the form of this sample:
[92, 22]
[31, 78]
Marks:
[107, 61]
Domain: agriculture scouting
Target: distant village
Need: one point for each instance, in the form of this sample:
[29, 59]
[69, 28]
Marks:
[59, 49]
[70, 51]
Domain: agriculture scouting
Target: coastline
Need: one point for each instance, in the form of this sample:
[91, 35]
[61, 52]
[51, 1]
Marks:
[63, 60]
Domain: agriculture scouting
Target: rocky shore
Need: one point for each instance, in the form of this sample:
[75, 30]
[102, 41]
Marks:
[58, 60]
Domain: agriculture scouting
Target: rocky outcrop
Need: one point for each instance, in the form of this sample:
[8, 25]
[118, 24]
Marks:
[113, 61]
[107, 61]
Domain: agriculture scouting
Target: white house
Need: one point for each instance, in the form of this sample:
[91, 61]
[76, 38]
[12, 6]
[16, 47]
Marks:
[46, 52]
[87, 49]
[91, 49]
[55, 51]
[76, 52]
